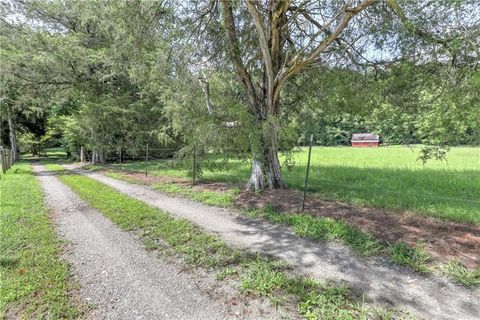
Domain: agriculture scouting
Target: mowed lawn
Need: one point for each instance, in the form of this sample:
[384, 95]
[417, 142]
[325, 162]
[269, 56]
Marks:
[389, 177]
[34, 281]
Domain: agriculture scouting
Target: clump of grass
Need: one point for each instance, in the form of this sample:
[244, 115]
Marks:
[92, 167]
[316, 300]
[8, 261]
[317, 228]
[117, 175]
[225, 273]
[262, 277]
[459, 273]
[414, 257]
[212, 198]
[331, 303]
[258, 276]
[34, 280]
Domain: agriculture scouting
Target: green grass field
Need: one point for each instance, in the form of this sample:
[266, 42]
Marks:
[389, 177]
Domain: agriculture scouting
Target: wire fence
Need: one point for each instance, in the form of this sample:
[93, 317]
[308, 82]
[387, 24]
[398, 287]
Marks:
[409, 185]
[310, 175]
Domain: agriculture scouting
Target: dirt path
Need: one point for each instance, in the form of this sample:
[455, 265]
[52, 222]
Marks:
[115, 273]
[424, 296]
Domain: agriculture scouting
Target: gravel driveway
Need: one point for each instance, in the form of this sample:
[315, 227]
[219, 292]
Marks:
[431, 298]
[114, 271]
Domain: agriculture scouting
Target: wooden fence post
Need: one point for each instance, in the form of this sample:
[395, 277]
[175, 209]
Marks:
[2, 160]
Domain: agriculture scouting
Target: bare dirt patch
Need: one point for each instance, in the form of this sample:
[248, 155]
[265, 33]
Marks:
[150, 179]
[444, 240]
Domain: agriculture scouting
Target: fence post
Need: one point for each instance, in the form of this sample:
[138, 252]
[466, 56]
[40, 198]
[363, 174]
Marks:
[9, 158]
[5, 159]
[194, 164]
[146, 161]
[2, 160]
[308, 170]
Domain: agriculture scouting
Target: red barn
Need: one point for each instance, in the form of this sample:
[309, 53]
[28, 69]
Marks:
[365, 140]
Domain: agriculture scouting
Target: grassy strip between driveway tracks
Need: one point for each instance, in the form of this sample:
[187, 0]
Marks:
[34, 280]
[318, 228]
[257, 276]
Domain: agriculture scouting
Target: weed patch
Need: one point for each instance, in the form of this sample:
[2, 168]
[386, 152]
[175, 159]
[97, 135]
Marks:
[414, 257]
[225, 273]
[315, 300]
[316, 228]
[461, 274]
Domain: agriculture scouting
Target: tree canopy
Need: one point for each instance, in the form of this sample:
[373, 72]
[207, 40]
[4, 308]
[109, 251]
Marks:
[250, 77]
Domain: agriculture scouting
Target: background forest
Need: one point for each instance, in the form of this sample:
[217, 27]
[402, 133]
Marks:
[116, 75]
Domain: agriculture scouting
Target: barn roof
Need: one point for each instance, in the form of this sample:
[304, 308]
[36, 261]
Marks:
[359, 137]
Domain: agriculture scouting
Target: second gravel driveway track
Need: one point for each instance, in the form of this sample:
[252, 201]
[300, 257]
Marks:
[424, 296]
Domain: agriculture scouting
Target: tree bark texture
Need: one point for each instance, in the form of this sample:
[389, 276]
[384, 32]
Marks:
[13, 136]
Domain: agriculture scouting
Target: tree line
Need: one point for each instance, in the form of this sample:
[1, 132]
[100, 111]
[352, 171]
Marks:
[247, 77]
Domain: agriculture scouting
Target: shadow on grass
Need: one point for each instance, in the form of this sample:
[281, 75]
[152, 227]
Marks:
[452, 195]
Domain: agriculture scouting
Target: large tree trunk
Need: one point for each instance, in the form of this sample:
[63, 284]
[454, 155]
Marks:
[274, 174]
[257, 178]
[13, 136]
[95, 156]
[266, 170]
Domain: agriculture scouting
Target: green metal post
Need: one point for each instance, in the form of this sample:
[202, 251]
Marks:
[146, 161]
[194, 164]
[308, 170]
